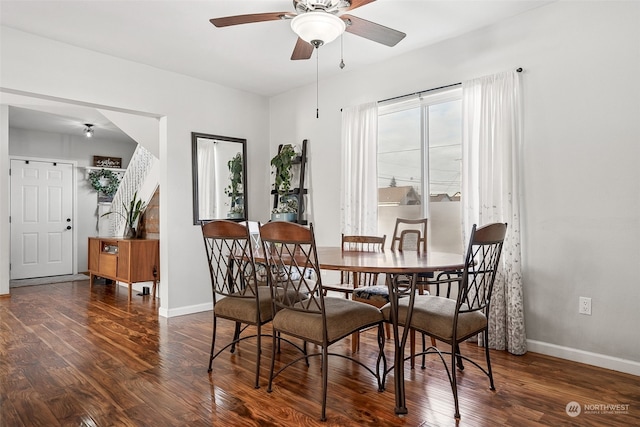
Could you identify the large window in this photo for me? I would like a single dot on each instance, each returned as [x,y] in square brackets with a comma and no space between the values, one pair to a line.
[419,166]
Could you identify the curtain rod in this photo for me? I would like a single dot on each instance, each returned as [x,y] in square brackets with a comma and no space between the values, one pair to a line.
[519,70]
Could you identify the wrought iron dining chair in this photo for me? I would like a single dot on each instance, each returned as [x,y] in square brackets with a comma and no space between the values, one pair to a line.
[408,235]
[352,282]
[411,235]
[455,320]
[236,294]
[292,261]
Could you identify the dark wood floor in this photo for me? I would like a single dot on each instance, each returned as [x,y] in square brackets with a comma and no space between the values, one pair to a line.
[74,357]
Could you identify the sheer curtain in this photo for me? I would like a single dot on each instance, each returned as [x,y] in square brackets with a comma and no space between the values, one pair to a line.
[359,189]
[207,202]
[492,136]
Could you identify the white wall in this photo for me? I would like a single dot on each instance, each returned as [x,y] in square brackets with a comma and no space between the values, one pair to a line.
[581,206]
[44,67]
[5,235]
[46,145]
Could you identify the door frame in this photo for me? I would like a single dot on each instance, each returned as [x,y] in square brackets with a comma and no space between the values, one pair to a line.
[74,203]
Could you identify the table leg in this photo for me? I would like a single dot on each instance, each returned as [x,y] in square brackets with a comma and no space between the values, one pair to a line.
[400,342]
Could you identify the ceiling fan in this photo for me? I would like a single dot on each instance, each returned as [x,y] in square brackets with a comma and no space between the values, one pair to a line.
[318,22]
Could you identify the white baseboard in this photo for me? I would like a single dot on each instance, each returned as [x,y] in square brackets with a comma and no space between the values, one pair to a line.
[162,311]
[601,360]
[181,311]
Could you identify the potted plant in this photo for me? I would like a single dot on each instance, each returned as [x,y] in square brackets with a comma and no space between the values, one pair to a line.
[282,162]
[234,189]
[132,214]
[287,209]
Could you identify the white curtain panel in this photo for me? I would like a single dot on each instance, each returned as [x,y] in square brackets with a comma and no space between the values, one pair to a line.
[206,178]
[492,138]
[359,189]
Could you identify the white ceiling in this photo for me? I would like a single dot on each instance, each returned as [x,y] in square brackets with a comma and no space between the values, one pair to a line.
[177,35]
[66,122]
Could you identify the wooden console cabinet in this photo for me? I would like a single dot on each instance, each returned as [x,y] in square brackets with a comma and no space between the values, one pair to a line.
[125,260]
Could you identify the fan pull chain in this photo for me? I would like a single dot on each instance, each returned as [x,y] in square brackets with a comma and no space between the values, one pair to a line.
[341,51]
[317,83]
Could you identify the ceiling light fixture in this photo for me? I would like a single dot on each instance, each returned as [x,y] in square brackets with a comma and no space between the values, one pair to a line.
[88,130]
[318,27]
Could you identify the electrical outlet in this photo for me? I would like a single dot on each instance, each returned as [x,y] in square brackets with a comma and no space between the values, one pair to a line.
[585,306]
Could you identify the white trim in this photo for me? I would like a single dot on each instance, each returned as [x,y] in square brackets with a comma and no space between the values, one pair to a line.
[601,360]
[97,168]
[181,311]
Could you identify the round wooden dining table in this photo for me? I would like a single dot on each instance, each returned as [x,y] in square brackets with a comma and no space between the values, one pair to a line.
[393,264]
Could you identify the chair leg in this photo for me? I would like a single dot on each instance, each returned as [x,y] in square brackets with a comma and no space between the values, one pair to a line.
[424,348]
[454,385]
[355,342]
[458,358]
[486,352]
[325,380]
[276,341]
[258,354]
[381,357]
[236,336]
[412,346]
[304,350]
[213,344]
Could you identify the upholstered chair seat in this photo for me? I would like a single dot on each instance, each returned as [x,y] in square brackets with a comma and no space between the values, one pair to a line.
[343,317]
[437,312]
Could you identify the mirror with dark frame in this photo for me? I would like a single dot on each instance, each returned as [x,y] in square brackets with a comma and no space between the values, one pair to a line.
[219,177]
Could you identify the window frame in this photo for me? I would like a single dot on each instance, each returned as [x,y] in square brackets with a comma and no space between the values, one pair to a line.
[423,100]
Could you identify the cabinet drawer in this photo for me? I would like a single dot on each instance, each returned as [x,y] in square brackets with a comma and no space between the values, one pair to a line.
[108,264]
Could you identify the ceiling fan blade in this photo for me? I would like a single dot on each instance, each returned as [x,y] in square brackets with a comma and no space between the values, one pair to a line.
[302,50]
[248,19]
[372,31]
[358,3]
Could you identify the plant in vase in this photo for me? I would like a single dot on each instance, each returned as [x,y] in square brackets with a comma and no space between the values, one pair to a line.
[132,214]
[282,162]
[287,209]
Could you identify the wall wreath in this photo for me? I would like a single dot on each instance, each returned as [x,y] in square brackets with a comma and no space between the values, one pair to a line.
[104,181]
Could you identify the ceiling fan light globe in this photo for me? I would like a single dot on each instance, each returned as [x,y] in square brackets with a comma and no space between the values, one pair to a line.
[318,28]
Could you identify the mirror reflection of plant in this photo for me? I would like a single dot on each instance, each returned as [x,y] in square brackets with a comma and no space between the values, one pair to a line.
[237,209]
[235,175]
[282,162]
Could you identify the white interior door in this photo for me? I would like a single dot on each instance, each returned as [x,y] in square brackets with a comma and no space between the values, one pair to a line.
[41,219]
